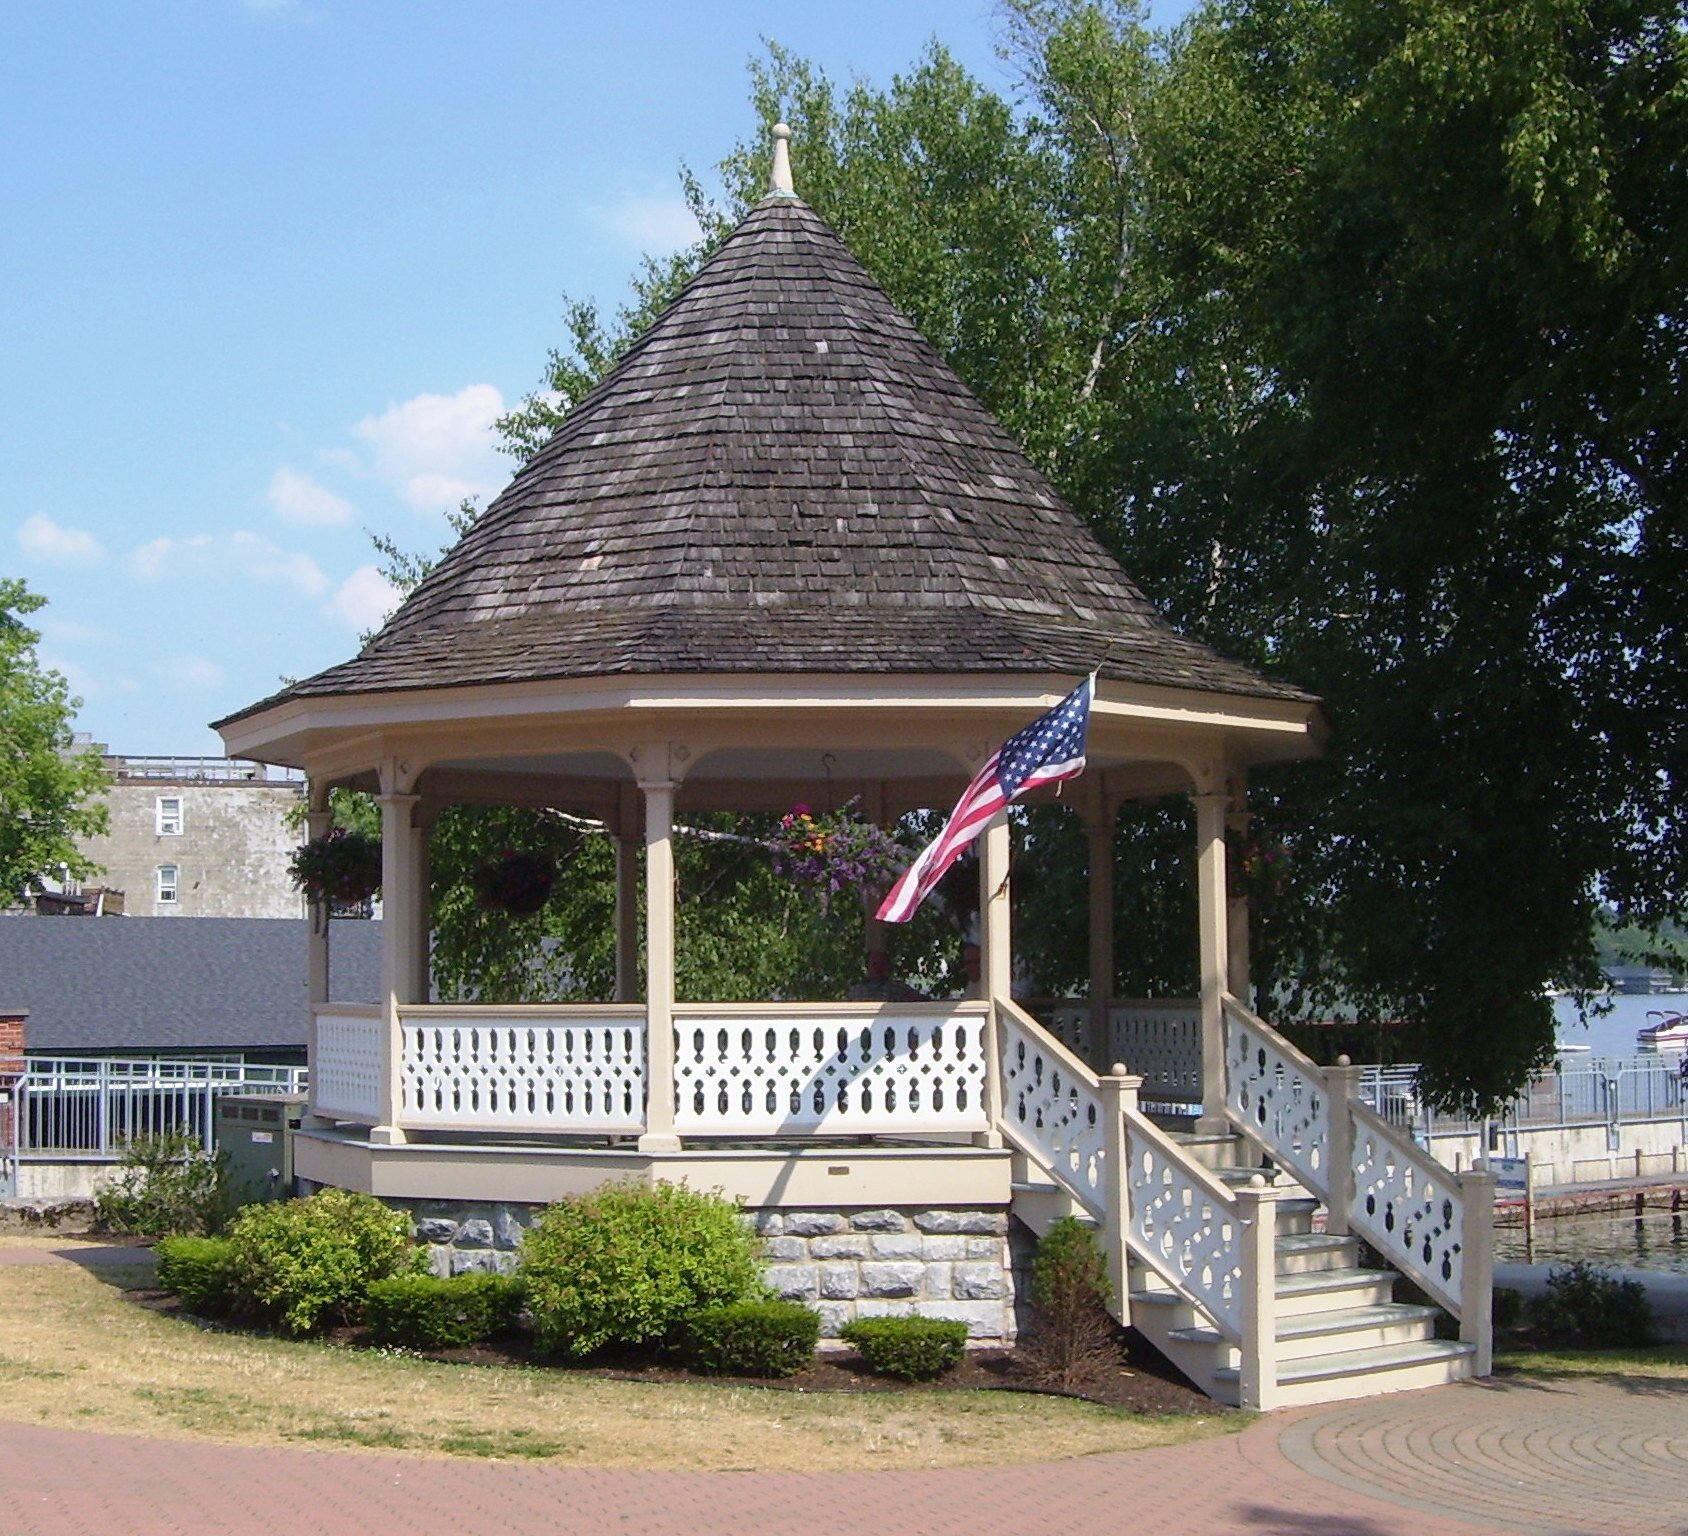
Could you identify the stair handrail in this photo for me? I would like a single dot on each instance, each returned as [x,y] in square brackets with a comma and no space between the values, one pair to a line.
[1419,1215]
[1132,1177]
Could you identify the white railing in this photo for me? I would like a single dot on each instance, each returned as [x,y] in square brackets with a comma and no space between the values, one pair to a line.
[1278,1097]
[1429,1222]
[834,1068]
[1161,1042]
[1408,1207]
[1157,1039]
[1052,1108]
[1186,1224]
[1174,1216]
[521,1069]
[346,1066]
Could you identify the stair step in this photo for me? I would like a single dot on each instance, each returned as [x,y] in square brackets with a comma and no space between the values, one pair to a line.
[1319,1325]
[1361,1362]
[1313,1290]
[1308,1252]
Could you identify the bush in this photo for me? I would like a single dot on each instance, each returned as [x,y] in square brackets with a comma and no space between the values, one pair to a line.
[624,1264]
[1586,1306]
[426,1312]
[168,1185]
[308,1263]
[200,1272]
[908,1348]
[1073,1335]
[1506,1309]
[750,1338]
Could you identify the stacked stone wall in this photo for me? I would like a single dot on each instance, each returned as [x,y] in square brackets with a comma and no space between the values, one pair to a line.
[846,1263]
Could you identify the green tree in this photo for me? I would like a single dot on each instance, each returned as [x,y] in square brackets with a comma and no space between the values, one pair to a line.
[50,795]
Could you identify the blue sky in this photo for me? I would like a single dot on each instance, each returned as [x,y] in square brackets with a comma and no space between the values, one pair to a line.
[268,269]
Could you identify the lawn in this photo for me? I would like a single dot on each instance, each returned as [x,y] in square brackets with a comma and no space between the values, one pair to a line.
[74,1353]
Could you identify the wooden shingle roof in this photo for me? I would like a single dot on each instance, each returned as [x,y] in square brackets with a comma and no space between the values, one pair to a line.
[781,476]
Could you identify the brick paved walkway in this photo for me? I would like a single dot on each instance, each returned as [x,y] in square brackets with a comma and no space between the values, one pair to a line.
[1509,1458]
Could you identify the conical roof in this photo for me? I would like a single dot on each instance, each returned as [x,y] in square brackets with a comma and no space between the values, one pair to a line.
[781,476]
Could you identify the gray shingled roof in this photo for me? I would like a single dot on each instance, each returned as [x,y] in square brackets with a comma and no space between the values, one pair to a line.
[782,475]
[177,985]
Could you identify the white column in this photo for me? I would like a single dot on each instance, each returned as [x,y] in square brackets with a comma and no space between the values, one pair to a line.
[1237,820]
[997,961]
[422,904]
[626,918]
[873,809]
[1210,908]
[1099,836]
[659,967]
[399,924]
[1119,1091]
[1477,1265]
[1343,1081]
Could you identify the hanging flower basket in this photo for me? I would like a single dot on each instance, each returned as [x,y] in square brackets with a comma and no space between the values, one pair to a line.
[515,882]
[340,868]
[837,851]
[1257,867]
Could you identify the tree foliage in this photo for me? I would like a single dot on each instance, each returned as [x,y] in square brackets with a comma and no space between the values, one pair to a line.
[50,795]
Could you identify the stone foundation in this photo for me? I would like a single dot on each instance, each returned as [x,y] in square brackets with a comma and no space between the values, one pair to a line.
[847,1264]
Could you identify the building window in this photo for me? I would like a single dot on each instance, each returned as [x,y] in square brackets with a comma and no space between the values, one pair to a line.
[167,882]
[169,813]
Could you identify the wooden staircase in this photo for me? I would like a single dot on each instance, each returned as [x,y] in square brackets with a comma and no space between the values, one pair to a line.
[1186,1231]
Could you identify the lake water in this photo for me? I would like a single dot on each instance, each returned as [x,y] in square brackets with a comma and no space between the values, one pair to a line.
[1657,1240]
[1613,1033]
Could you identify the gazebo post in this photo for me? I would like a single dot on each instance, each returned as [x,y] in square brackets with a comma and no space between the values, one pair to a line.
[1237,963]
[1099,817]
[998,962]
[1211,805]
[659,956]
[400,924]
[626,897]
[873,809]
[422,820]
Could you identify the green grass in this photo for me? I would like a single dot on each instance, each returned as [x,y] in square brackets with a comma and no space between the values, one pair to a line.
[1665,1362]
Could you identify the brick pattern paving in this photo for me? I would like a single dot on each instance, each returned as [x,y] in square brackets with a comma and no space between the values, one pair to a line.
[1542,1458]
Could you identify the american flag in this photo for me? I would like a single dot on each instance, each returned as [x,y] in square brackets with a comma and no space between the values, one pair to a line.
[1048,750]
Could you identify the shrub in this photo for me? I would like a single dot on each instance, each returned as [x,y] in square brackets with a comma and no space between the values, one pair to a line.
[1586,1306]
[908,1348]
[625,1263]
[750,1338]
[307,1263]
[168,1185]
[199,1271]
[1506,1309]
[1072,1335]
[426,1312]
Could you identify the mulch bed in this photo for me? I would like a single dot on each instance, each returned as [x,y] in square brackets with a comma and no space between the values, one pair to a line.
[1141,1381]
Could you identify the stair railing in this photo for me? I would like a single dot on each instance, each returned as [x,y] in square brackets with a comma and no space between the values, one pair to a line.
[1213,1246]
[1434,1225]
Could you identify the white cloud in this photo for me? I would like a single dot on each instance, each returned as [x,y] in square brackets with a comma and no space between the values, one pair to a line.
[436,449]
[189,671]
[46,540]
[299,499]
[69,631]
[204,555]
[653,225]
[364,599]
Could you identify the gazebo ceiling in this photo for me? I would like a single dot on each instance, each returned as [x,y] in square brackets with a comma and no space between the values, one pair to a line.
[781,480]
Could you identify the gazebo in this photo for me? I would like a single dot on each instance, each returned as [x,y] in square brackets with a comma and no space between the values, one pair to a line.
[782,553]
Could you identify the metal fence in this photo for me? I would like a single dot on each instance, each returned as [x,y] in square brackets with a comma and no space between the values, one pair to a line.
[1598,1091]
[91,1106]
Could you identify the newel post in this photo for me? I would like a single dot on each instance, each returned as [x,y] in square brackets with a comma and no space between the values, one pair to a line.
[1477,1265]
[1344,1083]
[1118,1090]
[1258,1209]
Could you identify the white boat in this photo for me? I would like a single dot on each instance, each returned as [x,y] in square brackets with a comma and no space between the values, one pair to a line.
[1665,1035]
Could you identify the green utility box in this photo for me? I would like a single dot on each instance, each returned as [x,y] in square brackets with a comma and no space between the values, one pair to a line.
[255,1135]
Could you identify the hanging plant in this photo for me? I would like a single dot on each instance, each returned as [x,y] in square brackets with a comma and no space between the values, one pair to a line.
[515,882]
[839,850]
[1257,867]
[340,868]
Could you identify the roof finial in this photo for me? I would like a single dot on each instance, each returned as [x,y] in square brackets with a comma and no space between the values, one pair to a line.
[782,186]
